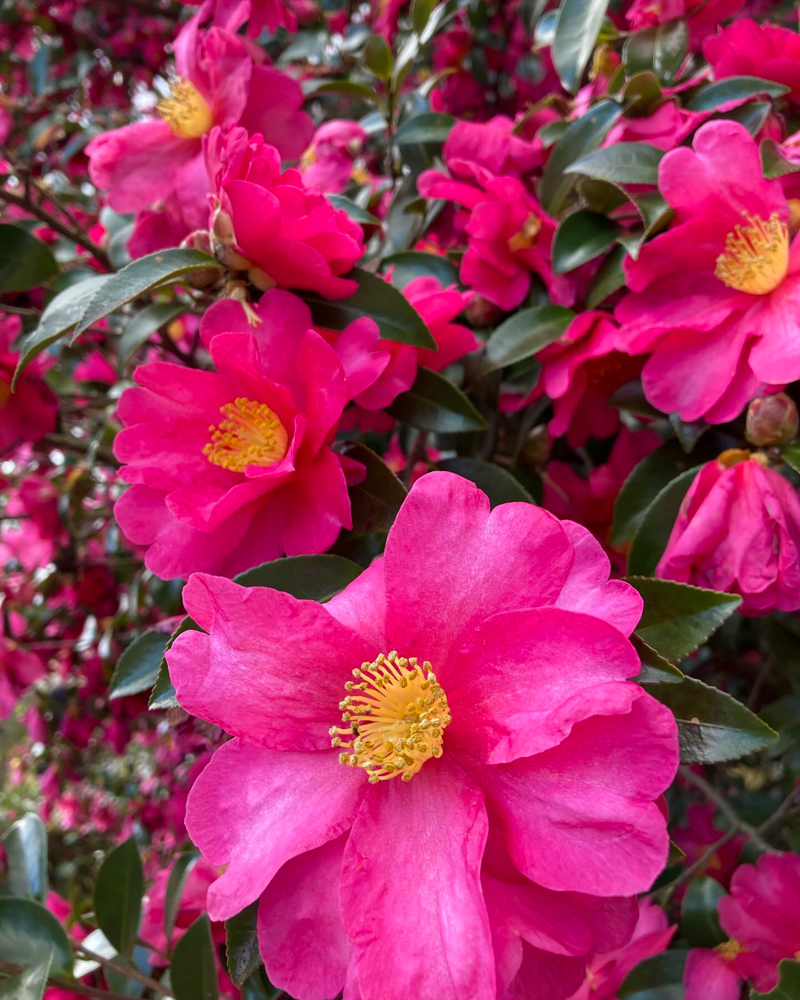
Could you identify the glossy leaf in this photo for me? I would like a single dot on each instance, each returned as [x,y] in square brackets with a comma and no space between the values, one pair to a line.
[410,264]
[352,210]
[699,920]
[577,27]
[433,403]
[241,944]
[431,126]
[376,299]
[788,987]
[25,846]
[376,501]
[581,237]
[662,970]
[118,896]
[348,87]
[378,57]
[25,262]
[656,669]
[773,161]
[144,324]
[678,618]
[28,984]
[791,455]
[656,525]
[163,694]
[733,88]
[193,972]
[181,869]
[308,578]
[712,725]
[137,668]
[420,13]
[498,484]
[671,43]
[623,163]
[524,334]
[96,942]
[30,934]
[142,276]
[609,278]
[639,51]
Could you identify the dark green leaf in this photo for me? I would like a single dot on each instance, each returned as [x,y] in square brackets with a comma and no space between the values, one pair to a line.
[788,987]
[410,264]
[241,944]
[609,278]
[28,985]
[672,39]
[353,211]
[752,115]
[656,525]
[378,57]
[142,276]
[163,694]
[773,162]
[25,262]
[118,895]
[655,668]
[175,886]
[623,163]
[688,434]
[791,455]
[642,94]
[420,13]
[582,236]
[144,324]
[675,853]
[308,578]
[376,501]
[678,618]
[712,726]
[524,334]
[193,972]
[498,484]
[137,668]
[699,921]
[344,87]
[734,88]
[639,51]
[433,403]
[431,126]
[30,934]
[577,27]
[631,397]
[25,845]
[377,299]
[665,969]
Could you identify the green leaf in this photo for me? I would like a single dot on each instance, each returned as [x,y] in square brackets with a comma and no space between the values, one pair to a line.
[582,236]
[791,455]
[523,335]
[378,57]
[639,51]
[144,324]
[25,845]
[773,162]
[410,264]
[672,39]
[376,299]
[308,578]
[28,984]
[349,87]
[678,618]
[577,26]
[623,163]
[580,138]
[143,276]
[420,13]
[656,525]
[353,211]
[788,987]
[163,694]
[498,484]
[62,313]
[137,668]
[25,262]
[712,726]
[118,895]
[699,921]
[175,886]
[734,88]
[430,126]
[752,115]
[193,972]
[241,944]
[30,934]
[665,969]
[608,279]
[376,501]
[433,403]
[642,94]
[655,668]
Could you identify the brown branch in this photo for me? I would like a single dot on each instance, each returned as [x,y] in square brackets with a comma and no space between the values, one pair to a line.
[130,971]
[69,443]
[74,986]
[727,810]
[26,203]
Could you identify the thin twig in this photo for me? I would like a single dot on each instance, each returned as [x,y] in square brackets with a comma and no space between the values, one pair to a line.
[29,205]
[724,807]
[73,986]
[66,442]
[130,971]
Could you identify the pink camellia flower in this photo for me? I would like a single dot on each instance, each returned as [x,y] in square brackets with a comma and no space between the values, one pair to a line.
[580,371]
[715,299]
[746,48]
[698,834]
[491,145]
[738,530]
[607,972]
[31,410]
[19,668]
[328,162]
[233,468]
[471,684]
[701,18]
[218,83]
[666,127]
[763,920]
[33,541]
[292,235]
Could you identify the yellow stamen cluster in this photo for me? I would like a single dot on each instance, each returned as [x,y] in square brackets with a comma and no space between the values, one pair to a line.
[250,434]
[526,237]
[394,716]
[729,949]
[186,111]
[756,255]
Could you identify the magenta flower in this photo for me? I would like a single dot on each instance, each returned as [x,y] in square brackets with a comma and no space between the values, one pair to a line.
[31,410]
[715,300]
[233,468]
[492,146]
[292,235]
[471,684]
[19,668]
[328,163]
[738,530]
[701,19]
[746,48]
[763,920]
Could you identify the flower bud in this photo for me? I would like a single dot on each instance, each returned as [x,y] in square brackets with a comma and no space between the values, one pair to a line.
[481,312]
[200,239]
[772,420]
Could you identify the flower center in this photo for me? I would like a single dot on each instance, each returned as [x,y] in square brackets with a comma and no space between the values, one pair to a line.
[756,255]
[526,237]
[395,714]
[729,949]
[186,111]
[251,434]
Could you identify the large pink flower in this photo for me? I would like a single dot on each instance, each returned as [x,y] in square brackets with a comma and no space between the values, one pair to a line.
[746,48]
[762,917]
[738,530]
[31,410]
[701,18]
[716,299]
[327,164]
[483,660]
[292,234]
[233,468]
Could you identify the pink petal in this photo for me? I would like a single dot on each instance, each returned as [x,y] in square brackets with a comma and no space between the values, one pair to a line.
[707,974]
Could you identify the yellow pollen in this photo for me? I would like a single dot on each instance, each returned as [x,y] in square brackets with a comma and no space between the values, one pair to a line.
[729,949]
[756,255]
[250,434]
[186,111]
[526,237]
[394,716]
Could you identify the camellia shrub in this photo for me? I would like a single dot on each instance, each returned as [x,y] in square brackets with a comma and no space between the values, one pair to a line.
[399,524]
